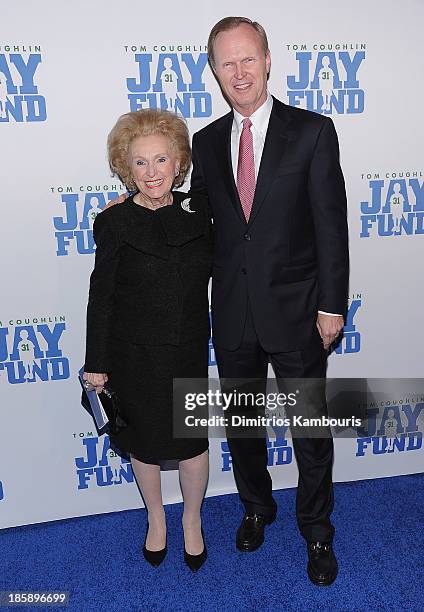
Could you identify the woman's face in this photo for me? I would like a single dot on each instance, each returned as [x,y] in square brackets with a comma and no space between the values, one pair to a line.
[153,164]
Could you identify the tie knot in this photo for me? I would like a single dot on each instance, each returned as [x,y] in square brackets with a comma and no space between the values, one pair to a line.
[246,123]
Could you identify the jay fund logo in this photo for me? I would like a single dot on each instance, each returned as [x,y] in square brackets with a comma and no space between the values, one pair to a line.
[31,350]
[170,77]
[394,205]
[395,427]
[326,78]
[100,466]
[351,339]
[20,98]
[78,207]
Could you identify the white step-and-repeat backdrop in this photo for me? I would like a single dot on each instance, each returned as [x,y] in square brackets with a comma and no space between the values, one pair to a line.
[67,71]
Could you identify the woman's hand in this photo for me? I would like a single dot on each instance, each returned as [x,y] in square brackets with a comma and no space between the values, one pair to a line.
[94,381]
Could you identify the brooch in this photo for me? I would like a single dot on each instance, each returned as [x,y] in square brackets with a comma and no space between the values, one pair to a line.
[185,205]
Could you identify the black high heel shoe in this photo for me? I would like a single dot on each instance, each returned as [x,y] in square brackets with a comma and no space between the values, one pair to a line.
[195,562]
[154,557]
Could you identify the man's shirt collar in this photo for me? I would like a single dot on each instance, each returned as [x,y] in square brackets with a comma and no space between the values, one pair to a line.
[259,119]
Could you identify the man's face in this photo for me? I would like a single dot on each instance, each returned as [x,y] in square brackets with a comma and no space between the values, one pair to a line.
[241,67]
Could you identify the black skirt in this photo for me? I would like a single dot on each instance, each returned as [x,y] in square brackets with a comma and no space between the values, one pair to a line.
[143,377]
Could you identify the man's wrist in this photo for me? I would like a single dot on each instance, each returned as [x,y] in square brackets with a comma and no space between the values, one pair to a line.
[331,314]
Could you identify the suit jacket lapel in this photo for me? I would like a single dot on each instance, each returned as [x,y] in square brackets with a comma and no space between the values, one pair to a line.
[277,138]
[275,146]
[226,163]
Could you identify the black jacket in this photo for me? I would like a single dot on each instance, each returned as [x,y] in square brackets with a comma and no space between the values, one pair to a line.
[291,259]
[150,280]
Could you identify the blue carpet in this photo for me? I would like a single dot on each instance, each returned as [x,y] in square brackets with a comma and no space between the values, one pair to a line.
[379,544]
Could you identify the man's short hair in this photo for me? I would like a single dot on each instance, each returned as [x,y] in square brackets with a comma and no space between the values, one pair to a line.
[230,23]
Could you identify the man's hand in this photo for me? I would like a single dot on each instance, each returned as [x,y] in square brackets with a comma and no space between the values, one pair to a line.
[119,200]
[329,328]
[94,381]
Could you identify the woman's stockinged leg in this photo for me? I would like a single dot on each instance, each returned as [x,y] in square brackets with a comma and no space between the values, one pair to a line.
[149,483]
[193,479]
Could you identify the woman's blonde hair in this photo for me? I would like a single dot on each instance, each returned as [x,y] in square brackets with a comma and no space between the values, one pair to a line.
[146,122]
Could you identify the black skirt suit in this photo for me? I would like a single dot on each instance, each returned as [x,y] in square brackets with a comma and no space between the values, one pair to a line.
[148,316]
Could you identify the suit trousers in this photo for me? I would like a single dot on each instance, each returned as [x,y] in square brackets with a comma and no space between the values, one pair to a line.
[314,456]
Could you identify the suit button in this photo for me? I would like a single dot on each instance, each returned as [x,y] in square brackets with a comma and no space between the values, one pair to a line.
[243,271]
[247,237]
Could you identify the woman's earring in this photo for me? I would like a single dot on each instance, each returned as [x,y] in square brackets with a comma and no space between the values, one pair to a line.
[177,171]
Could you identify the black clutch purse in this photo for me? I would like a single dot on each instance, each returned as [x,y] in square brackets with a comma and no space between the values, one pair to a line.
[103,408]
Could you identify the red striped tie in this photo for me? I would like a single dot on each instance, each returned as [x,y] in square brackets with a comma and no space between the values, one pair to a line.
[246,181]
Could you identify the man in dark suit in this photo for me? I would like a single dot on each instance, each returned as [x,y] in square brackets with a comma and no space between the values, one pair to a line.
[280,273]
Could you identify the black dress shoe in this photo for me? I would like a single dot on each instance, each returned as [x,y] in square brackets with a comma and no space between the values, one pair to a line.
[322,565]
[250,534]
[195,562]
[154,557]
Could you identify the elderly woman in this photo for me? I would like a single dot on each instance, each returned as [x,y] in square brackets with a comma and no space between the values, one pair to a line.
[147,316]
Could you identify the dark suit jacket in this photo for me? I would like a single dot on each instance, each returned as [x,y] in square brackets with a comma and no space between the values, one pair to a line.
[150,280]
[291,259]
